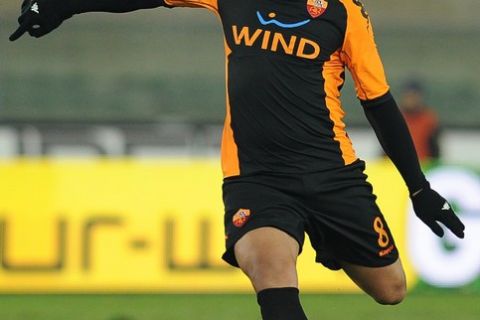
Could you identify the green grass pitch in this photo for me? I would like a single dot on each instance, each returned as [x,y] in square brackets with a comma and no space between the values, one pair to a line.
[441,306]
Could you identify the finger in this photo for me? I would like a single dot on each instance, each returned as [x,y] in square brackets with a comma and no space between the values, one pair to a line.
[25,22]
[22,28]
[36,31]
[436,228]
[453,222]
[25,6]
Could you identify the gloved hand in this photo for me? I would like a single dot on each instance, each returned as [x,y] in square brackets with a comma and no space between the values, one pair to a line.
[432,208]
[39,17]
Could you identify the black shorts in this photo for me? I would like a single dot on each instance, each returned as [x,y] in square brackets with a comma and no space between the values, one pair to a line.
[336,208]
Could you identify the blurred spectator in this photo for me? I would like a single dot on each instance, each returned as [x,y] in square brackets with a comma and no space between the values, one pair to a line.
[422,121]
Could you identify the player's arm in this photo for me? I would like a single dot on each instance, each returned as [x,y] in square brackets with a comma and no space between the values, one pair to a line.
[361,56]
[392,132]
[39,17]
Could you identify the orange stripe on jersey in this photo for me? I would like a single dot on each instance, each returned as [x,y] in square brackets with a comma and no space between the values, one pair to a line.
[361,55]
[332,74]
[230,162]
[208,4]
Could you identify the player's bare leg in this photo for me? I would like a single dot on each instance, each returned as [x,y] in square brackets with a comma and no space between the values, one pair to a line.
[268,257]
[386,285]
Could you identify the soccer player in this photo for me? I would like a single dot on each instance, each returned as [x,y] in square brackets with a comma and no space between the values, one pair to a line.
[288,162]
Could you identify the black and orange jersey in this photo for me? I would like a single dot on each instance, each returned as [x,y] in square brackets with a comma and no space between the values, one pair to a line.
[286,64]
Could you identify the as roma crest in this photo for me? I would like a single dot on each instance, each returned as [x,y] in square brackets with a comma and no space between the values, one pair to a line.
[316,7]
[241,217]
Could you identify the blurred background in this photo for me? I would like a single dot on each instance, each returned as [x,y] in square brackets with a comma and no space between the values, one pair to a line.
[109,141]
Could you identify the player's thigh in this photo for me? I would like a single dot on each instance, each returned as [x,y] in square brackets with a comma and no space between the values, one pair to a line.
[387,285]
[264,228]
[268,256]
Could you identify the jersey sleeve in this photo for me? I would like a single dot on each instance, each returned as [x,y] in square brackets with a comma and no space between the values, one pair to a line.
[208,4]
[360,54]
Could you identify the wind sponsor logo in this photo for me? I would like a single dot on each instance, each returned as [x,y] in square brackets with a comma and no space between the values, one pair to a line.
[276,42]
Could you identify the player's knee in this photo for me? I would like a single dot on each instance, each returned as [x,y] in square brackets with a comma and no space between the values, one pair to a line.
[392,294]
[270,271]
[265,271]
[268,257]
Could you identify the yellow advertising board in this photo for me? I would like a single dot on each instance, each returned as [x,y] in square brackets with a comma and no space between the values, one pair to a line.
[124,225]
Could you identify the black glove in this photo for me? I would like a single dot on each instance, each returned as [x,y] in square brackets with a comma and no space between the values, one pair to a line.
[40,17]
[432,208]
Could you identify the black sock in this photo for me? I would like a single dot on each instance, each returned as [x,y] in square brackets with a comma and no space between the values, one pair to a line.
[280,304]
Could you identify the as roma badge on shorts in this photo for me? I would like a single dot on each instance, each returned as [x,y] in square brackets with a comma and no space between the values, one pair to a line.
[316,7]
[241,217]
